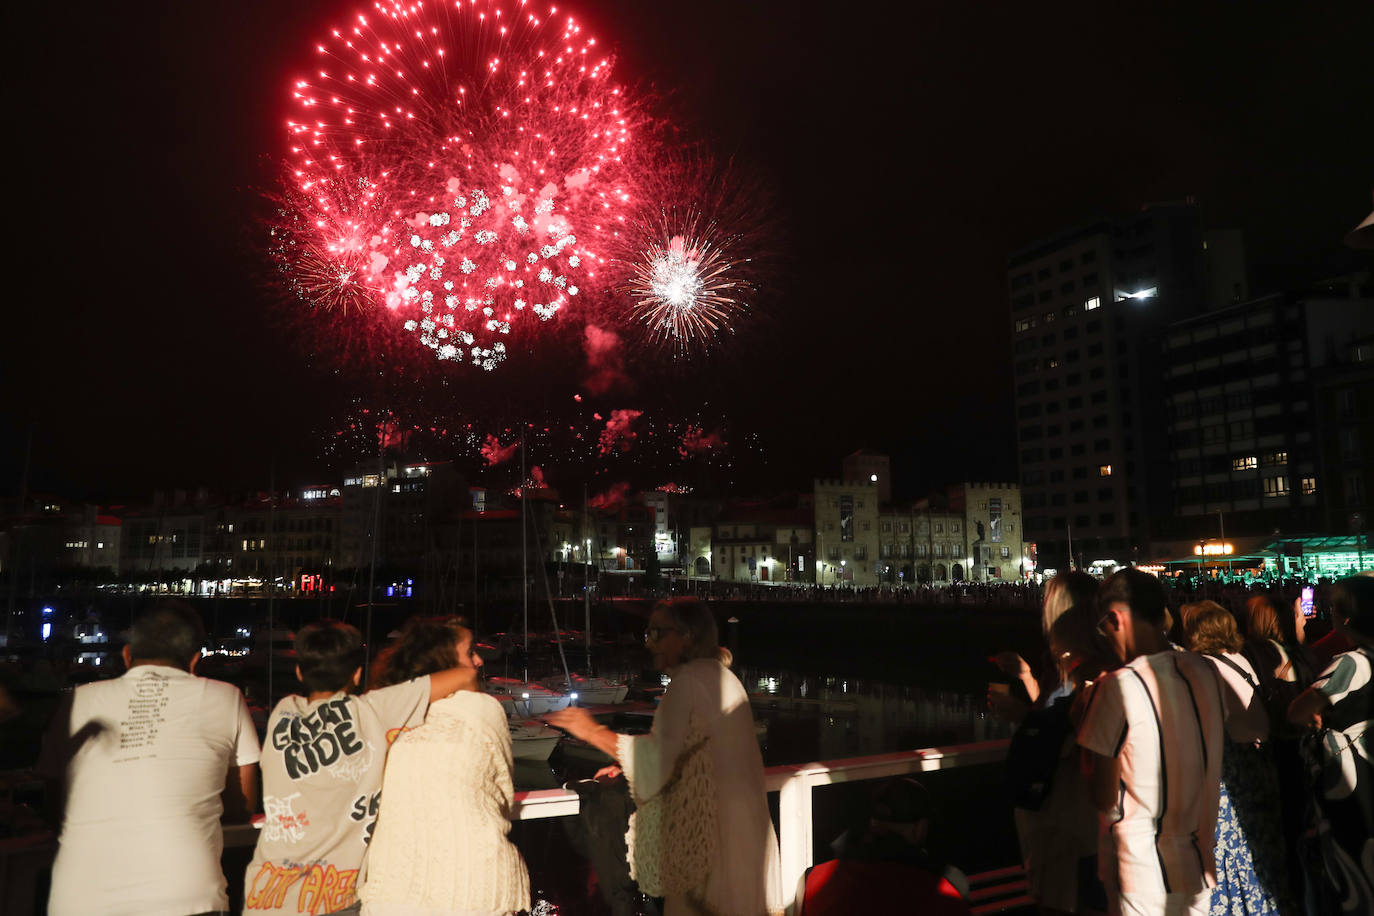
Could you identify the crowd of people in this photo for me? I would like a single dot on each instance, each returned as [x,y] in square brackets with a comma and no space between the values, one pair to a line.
[1194,758]
[1202,758]
[394,801]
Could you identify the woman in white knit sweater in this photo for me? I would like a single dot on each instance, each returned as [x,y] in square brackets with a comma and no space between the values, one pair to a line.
[441,847]
[725,842]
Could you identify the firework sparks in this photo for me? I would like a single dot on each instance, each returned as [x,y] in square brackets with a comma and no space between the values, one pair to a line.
[684,284]
[463,165]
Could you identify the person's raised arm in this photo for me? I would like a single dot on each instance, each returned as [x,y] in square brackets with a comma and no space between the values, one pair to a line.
[1013,665]
[446,683]
[579,723]
[647,760]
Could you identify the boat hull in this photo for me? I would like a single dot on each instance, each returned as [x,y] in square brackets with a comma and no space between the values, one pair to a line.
[533,740]
[520,699]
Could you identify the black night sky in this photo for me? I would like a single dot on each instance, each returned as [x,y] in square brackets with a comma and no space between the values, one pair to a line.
[908,152]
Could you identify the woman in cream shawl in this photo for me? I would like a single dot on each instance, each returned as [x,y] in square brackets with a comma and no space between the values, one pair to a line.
[705,711]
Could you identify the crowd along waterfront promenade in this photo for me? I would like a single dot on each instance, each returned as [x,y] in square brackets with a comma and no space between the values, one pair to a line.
[830,677]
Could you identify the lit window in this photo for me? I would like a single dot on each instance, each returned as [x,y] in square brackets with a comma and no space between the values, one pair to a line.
[1248,463]
[1093,303]
[1104,470]
[1276,486]
[1309,486]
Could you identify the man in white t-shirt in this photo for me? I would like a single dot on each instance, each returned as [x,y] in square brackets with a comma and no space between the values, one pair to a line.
[1152,740]
[149,760]
[322,773]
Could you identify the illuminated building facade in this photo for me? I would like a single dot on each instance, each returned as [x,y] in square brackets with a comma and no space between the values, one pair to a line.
[1263,404]
[768,543]
[1088,307]
[997,551]
[847,532]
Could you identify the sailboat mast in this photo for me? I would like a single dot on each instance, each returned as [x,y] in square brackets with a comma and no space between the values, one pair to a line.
[586,595]
[524,559]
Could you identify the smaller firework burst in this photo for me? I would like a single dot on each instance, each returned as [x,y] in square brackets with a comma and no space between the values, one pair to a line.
[686,288]
[321,243]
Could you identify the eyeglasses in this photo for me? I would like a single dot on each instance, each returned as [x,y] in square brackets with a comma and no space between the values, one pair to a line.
[654,634]
[1102,626]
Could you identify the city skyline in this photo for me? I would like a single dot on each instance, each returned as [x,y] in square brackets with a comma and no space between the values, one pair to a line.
[907,156]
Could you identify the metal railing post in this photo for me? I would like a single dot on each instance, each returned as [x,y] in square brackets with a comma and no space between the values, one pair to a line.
[796,841]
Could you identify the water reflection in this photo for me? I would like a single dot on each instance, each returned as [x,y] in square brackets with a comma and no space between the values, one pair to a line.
[806,717]
[812,717]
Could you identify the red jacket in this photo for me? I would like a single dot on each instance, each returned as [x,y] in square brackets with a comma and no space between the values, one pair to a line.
[847,886]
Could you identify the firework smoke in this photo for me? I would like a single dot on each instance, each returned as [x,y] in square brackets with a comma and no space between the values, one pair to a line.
[617,434]
[605,359]
[695,441]
[494,453]
[614,498]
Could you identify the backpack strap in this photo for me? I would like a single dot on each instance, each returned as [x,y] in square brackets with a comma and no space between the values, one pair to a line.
[1236,668]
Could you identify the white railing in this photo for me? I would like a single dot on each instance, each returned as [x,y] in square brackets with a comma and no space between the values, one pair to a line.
[794,783]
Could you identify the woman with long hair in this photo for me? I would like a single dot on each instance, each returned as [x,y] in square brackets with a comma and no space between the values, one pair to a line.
[701,836]
[1252,877]
[441,845]
[1056,822]
[1066,590]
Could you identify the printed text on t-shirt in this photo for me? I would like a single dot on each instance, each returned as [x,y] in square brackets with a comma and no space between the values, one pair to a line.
[316,740]
[323,890]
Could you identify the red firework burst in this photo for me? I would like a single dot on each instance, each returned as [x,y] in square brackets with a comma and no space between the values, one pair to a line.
[466,165]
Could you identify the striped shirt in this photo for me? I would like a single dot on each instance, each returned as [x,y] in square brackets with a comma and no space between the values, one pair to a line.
[1162,717]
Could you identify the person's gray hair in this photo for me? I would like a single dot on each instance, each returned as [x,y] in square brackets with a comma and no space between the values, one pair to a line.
[696,622]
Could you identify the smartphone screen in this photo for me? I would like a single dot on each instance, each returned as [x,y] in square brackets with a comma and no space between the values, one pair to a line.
[1307,608]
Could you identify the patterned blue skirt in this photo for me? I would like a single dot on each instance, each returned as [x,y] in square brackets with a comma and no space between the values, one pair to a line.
[1251,874]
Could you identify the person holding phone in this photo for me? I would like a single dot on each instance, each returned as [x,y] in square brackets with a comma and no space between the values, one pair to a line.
[1339,706]
[1274,646]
